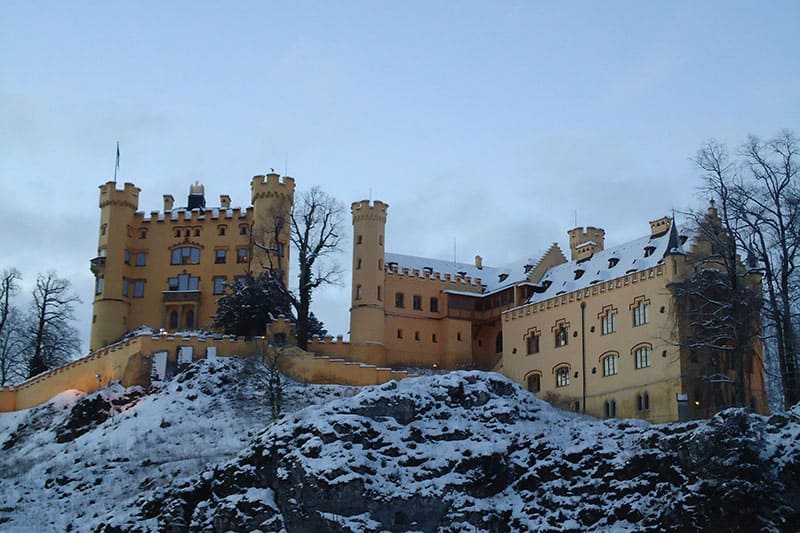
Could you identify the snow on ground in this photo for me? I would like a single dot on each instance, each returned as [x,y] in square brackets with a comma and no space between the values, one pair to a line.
[205,415]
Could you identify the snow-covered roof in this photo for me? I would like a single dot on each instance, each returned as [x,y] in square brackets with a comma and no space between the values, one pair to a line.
[633,256]
[492,278]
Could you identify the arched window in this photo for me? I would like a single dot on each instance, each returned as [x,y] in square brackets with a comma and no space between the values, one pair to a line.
[185,255]
[189,319]
[534,382]
[610,363]
[562,336]
[173,320]
[562,376]
[643,402]
[498,343]
[643,356]
[359,292]
[611,408]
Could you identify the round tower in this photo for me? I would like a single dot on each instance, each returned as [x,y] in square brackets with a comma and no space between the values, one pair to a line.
[110,307]
[272,198]
[367,309]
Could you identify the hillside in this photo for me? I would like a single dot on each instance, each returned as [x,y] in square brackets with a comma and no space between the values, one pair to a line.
[454,452]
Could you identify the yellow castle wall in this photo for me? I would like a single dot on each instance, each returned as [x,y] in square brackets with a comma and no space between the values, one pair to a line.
[661,380]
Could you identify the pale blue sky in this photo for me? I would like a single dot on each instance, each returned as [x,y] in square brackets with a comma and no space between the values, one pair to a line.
[493,123]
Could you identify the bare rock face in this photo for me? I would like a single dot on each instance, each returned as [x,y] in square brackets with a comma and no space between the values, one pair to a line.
[472,451]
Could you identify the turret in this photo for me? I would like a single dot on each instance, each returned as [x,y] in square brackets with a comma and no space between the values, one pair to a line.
[583,243]
[110,308]
[272,199]
[368,296]
[197,197]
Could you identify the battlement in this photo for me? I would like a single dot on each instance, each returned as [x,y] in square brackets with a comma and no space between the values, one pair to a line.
[428,274]
[660,226]
[272,186]
[583,243]
[366,210]
[128,196]
[193,215]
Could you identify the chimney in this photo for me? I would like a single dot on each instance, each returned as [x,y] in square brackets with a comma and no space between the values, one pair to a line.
[224,201]
[660,227]
[583,243]
[479,262]
[169,201]
[197,199]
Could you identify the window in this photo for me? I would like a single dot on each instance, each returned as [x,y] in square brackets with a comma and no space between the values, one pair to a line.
[380,240]
[379,293]
[185,255]
[416,335]
[197,232]
[641,313]
[358,264]
[241,255]
[498,343]
[359,292]
[141,259]
[243,230]
[143,234]
[279,249]
[417,302]
[398,300]
[173,320]
[610,364]
[458,336]
[643,402]
[98,285]
[643,357]
[125,286]
[562,336]
[533,344]
[177,234]
[399,333]
[534,383]
[138,288]
[103,228]
[611,408]
[434,305]
[220,256]
[433,338]
[127,257]
[189,319]
[609,322]
[359,239]
[562,376]
[184,282]
[219,285]
[221,231]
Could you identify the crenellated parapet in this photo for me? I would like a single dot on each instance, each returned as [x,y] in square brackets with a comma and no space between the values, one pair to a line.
[272,186]
[194,215]
[366,210]
[467,282]
[128,196]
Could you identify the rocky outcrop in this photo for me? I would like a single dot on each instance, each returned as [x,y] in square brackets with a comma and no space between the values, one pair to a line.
[472,451]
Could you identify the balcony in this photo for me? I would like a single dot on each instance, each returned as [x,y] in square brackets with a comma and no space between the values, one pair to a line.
[97,265]
[180,296]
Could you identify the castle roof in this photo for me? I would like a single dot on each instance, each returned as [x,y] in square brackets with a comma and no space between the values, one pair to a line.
[492,278]
[630,257]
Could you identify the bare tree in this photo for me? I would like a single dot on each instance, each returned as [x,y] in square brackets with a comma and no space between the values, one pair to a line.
[51,340]
[761,205]
[11,360]
[315,225]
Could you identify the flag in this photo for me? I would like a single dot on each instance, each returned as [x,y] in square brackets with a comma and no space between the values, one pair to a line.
[116,167]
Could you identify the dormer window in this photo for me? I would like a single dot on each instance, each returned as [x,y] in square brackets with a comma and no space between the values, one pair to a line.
[612,262]
[578,273]
[648,250]
[503,277]
[528,268]
[428,271]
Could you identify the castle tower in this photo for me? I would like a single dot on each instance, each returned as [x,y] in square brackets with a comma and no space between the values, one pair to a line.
[583,243]
[367,310]
[110,307]
[272,199]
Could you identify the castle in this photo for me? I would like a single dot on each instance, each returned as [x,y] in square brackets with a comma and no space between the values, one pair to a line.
[167,269]
[597,333]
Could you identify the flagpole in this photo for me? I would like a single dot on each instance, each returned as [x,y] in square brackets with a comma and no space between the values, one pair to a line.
[116,166]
